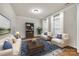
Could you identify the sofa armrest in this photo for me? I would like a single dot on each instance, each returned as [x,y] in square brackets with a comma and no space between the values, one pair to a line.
[7,52]
[44,37]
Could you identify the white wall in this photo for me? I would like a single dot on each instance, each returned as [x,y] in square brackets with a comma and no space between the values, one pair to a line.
[20,24]
[8,11]
[70,25]
[78,28]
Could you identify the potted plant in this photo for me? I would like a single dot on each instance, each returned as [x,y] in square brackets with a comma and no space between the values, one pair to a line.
[39,30]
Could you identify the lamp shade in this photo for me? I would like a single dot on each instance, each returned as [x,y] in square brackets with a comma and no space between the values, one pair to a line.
[17,33]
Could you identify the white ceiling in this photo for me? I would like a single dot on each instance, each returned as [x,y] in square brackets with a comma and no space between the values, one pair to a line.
[24,9]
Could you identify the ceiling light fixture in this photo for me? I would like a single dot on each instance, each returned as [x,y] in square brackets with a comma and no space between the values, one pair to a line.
[36,11]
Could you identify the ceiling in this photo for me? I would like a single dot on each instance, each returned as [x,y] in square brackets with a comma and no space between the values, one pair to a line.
[24,9]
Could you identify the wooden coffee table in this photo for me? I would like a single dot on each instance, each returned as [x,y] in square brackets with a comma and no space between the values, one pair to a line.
[34,47]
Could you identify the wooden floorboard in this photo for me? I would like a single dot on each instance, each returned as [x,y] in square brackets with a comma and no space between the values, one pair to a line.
[69,51]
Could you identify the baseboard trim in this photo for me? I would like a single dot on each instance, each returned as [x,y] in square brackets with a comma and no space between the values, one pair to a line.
[70,47]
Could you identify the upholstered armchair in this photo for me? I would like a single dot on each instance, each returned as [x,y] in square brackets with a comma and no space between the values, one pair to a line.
[61,42]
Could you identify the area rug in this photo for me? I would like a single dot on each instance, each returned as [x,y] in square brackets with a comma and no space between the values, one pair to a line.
[49,49]
[54,53]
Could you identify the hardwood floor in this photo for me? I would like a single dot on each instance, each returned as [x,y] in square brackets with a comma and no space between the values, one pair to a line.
[69,51]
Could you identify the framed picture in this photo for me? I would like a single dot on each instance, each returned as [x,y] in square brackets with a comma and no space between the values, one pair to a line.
[5,25]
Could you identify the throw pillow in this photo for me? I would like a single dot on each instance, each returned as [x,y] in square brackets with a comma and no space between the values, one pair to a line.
[17,36]
[7,45]
[45,33]
[14,40]
[59,36]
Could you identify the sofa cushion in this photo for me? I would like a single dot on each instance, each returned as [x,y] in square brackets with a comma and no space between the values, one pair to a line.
[59,36]
[11,39]
[57,40]
[7,52]
[7,45]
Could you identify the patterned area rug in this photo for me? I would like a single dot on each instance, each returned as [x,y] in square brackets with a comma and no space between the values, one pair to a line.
[54,53]
[50,49]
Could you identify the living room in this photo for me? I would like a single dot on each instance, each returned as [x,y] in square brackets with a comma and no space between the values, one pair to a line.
[42,17]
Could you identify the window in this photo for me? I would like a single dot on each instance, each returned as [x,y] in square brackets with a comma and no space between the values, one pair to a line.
[46,25]
[58,23]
